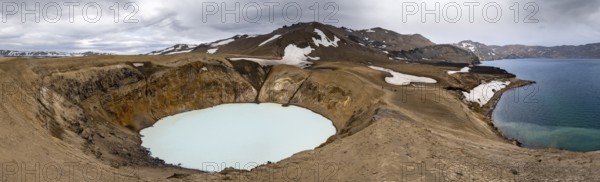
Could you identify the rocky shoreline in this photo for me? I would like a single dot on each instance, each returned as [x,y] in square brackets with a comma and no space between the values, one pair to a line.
[489,108]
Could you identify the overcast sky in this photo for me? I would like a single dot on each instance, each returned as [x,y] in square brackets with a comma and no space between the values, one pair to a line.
[157,24]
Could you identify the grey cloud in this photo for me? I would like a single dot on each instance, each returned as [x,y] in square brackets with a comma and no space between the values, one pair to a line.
[574,8]
[163,23]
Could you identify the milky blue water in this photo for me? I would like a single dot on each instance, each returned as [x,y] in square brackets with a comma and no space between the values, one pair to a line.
[241,136]
[562,110]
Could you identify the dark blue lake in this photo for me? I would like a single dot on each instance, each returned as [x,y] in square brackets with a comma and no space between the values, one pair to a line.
[561,110]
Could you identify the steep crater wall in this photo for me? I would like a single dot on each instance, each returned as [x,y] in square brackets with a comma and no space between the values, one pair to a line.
[102,108]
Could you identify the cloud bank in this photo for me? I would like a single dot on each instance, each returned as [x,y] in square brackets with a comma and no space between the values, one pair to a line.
[134,27]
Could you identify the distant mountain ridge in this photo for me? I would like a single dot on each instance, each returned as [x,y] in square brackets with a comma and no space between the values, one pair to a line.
[176,49]
[493,52]
[45,54]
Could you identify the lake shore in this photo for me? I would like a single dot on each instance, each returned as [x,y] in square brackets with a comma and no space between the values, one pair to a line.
[488,110]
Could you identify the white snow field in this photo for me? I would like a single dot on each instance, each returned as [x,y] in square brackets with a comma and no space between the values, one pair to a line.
[269,40]
[484,92]
[293,55]
[223,42]
[212,51]
[463,70]
[402,79]
[324,41]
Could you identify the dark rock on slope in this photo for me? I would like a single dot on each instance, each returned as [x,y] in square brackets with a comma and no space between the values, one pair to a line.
[438,54]
[388,40]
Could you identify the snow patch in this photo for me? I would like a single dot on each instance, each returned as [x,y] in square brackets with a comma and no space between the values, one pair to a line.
[323,40]
[402,79]
[483,93]
[463,70]
[138,64]
[203,69]
[179,48]
[269,40]
[179,52]
[212,51]
[220,43]
[370,30]
[469,46]
[293,55]
[162,51]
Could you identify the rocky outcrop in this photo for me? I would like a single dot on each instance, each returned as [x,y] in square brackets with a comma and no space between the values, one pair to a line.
[282,84]
[252,72]
[79,85]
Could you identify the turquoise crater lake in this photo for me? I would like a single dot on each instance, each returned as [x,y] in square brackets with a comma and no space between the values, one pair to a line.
[562,110]
[241,136]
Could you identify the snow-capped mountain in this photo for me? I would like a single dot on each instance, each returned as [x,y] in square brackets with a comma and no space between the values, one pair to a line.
[482,51]
[210,48]
[42,54]
[330,43]
[492,52]
[388,40]
[304,43]
[442,53]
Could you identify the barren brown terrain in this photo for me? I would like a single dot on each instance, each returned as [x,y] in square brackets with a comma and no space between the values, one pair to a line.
[76,119]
